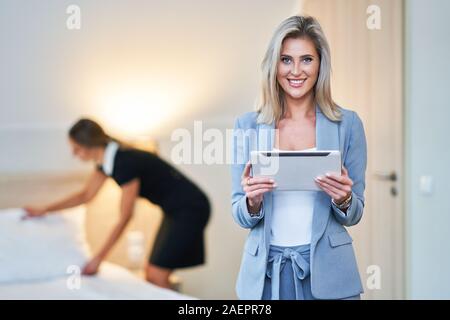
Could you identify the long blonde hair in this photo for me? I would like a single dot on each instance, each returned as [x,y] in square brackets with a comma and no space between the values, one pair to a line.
[271,105]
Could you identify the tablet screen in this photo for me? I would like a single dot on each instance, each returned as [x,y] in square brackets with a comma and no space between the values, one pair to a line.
[293,170]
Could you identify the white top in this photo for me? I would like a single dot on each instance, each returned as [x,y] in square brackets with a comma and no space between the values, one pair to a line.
[292,216]
[109,156]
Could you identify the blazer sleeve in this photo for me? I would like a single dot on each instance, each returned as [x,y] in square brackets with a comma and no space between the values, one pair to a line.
[240,153]
[355,163]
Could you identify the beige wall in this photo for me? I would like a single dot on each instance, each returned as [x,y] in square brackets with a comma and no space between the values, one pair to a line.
[51,76]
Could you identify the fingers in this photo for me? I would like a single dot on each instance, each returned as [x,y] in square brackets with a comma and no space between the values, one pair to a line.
[337,192]
[31,215]
[246,172]
[338,185]
[344,171]
[254,180]
[91,268]
[87,270]
[343,179]
[258,192]
[254,187]
[328,191]
[31,210]
[28,213]
[260,180]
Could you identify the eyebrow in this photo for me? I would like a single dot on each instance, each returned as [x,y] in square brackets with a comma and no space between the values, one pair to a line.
[302,56]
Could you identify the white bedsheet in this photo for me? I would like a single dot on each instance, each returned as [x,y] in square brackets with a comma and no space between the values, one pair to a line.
[112,282]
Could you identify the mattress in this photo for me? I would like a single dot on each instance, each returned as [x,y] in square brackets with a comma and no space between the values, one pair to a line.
[113,282]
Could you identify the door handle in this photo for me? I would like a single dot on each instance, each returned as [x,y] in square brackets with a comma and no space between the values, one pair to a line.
[386,176]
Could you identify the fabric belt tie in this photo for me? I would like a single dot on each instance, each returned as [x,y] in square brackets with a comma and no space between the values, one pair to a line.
[300,267]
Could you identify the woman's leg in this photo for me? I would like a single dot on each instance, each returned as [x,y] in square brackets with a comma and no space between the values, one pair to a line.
[157,275]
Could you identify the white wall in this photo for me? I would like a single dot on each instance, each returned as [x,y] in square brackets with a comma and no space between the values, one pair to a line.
[206,53]
[428,148]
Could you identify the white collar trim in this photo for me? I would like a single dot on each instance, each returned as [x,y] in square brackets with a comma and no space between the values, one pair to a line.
[108,158]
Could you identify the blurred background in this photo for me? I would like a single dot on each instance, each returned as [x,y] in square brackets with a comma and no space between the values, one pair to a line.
[146,68]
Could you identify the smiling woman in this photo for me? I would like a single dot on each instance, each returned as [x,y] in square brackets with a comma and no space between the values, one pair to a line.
[298,247]
[298,68]
[292,51]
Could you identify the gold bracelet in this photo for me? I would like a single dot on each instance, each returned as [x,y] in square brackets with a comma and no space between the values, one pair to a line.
[345,204]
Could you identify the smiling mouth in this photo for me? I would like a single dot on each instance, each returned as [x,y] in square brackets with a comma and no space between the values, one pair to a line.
[296,82]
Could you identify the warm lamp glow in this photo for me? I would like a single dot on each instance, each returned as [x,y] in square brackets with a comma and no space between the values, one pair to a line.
[136,111]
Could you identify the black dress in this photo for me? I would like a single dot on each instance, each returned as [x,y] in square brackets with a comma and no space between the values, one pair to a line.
[180,239]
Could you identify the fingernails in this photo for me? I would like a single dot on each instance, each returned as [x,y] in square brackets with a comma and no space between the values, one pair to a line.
[319,178]
[272,181]
[328,174]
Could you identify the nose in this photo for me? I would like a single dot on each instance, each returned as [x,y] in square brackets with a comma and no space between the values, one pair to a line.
[296,69]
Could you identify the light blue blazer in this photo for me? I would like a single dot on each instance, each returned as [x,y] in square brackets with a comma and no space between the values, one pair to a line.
[334,271]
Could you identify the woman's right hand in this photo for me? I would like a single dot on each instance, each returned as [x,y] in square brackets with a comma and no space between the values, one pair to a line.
[255,188]
[32,212]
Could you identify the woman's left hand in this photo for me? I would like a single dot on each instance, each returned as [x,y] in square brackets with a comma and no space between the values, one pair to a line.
[339,188]
[92,266]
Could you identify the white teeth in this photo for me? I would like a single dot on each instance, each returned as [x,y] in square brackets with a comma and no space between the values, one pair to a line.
[297,81]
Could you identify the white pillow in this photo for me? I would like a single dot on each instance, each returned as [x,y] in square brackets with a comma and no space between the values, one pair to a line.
[41,248]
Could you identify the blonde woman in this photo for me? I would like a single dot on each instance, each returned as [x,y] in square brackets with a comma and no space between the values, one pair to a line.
[298,246]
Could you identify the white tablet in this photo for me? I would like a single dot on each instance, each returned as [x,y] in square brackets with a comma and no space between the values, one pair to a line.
[295,170]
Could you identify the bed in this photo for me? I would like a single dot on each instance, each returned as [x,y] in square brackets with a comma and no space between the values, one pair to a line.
[42,258]
[112,283]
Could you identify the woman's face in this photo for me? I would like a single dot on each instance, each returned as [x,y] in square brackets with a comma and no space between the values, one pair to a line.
[81,152]
[298,67]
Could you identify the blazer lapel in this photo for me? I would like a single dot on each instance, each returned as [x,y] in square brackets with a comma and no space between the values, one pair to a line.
[327,138]
[265,142]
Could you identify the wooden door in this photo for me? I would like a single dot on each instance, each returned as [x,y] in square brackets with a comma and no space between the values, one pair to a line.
[367,77]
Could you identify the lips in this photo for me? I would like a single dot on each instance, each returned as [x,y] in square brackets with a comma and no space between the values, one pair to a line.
[296,83]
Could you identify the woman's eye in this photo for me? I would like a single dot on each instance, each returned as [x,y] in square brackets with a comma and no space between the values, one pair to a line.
[307,60]
[286,60]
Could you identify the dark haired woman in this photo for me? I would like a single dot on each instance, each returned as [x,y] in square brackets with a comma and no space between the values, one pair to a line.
[186,208]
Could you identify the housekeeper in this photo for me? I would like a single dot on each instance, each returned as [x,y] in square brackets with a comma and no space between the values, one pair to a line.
[180,240]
